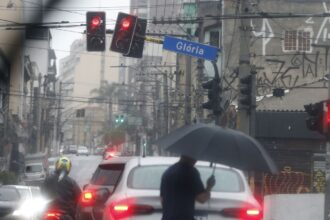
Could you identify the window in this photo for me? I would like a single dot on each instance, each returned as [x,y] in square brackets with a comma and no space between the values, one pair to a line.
[24,193]
[8,194]
[214,38]
[107,175]
[297,41]
[290,40]
[149,177]
[304,40]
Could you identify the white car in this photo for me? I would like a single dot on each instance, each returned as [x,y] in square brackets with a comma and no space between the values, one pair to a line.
[20,202]
[82,151]
[128,188]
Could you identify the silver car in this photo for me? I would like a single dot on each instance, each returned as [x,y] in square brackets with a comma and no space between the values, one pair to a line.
[82,151]
[35,173]
[128,188]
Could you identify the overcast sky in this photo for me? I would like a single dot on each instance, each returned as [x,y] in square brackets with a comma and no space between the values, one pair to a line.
[75,11]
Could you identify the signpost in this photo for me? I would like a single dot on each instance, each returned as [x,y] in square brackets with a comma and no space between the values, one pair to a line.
[190,48]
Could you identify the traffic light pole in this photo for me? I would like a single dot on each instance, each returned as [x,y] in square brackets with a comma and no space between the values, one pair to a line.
[327,158]
[216,77]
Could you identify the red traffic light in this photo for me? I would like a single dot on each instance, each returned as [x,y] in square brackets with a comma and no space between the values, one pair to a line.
[328,112]
[125,23]
[124,33]
[96,22]
[95,30]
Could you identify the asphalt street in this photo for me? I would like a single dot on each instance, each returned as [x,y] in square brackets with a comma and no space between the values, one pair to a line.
[83,167]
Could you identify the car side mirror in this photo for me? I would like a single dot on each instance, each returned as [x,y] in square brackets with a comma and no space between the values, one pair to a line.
[101,195]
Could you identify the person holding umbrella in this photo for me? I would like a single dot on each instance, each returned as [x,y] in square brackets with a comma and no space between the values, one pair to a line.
[181,186]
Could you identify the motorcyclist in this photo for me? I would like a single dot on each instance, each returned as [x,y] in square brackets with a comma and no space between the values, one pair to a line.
[62,191]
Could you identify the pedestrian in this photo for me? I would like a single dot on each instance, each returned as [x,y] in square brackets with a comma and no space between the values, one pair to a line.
[181,186]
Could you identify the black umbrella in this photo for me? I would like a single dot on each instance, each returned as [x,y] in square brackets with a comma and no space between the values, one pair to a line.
[219,145]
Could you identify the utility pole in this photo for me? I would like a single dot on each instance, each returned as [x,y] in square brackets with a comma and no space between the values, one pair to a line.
[187,111]
[59,117]
[200,69]
[247,88]
[39,114]
[166,102]
[246,117]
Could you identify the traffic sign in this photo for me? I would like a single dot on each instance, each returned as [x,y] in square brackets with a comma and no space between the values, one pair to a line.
[190,48]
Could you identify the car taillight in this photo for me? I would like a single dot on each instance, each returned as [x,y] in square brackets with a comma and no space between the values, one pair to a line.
[87,198]
[243,213]
[127,208]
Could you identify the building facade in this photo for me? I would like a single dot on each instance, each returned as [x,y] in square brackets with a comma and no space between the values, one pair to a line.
[82,75]
[290,54]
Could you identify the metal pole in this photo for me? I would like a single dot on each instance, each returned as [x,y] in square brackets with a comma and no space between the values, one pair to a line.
[188,91]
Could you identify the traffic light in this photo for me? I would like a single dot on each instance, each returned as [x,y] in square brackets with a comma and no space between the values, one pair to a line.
[316,120]
[120,119]
[124,33]
[214,99]
[95,22]
[117,119]
[245,90]
[138,39]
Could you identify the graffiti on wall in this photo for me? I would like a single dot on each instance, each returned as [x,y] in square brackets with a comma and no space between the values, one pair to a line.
[266,33]
[324,32]
[291,72]
[285,182]
[295,68]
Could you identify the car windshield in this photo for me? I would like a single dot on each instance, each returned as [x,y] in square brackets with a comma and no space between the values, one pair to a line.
[149,177]
[25,193]
[35,192]
[107,175]
[9,194]
[52,161]
[33,168]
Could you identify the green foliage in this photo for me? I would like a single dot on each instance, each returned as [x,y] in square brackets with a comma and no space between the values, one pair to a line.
[116,136]
[8,178]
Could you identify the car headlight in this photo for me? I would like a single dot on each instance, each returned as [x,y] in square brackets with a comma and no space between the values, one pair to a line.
[22,213]
[30,208]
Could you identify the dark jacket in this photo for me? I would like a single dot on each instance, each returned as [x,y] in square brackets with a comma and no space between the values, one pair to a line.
[64,194]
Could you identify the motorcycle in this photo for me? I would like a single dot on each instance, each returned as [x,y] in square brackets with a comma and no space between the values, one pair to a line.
[56,215]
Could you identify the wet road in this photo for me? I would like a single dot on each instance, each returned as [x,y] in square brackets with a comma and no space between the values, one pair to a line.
[83,167]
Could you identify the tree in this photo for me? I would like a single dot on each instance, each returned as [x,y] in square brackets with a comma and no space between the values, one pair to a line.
[116,136]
